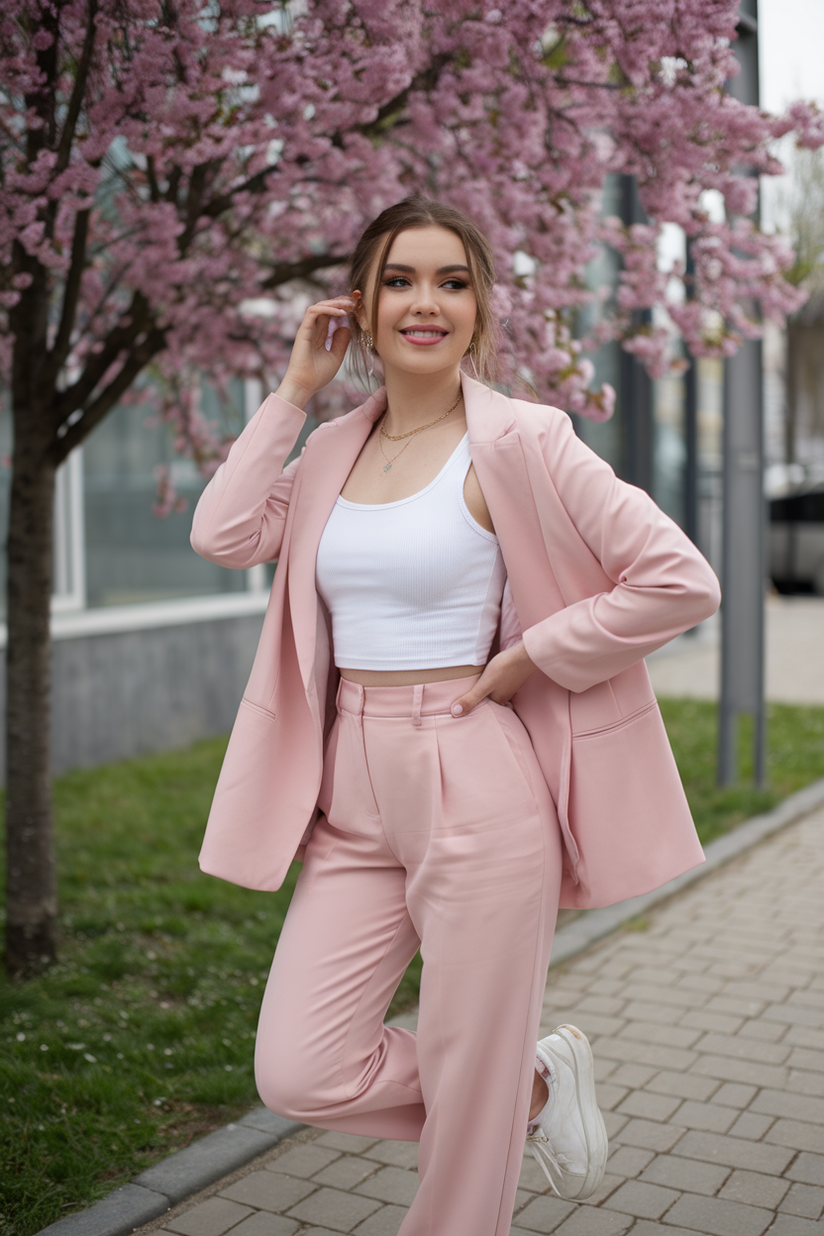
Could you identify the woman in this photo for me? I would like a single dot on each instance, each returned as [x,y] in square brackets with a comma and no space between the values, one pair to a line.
[451,679]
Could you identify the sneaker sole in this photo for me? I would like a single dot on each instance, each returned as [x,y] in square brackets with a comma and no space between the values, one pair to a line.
[592,1120]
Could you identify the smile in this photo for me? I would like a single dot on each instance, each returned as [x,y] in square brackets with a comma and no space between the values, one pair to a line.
[424,335]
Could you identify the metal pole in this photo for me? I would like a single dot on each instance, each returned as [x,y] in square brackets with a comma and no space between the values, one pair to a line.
[743,541]
[635,386]
[691,439]
[744,517]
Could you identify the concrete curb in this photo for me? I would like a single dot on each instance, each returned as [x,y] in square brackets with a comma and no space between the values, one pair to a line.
[188,1171]
[178,1176]
[206,1160]
[123,1210]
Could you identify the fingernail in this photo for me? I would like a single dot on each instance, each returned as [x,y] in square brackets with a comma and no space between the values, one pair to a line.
[457,710]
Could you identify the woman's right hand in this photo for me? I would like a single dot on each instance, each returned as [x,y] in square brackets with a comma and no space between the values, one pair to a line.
[312,365]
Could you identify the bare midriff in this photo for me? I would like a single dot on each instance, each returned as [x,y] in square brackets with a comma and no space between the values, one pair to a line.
[409,678]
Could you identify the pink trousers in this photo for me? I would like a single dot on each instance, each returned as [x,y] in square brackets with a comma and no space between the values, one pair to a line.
[440,832]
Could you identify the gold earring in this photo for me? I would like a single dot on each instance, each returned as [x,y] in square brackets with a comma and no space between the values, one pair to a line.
[369,344]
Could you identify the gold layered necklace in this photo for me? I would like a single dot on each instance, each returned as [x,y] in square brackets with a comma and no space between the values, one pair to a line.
[398,437]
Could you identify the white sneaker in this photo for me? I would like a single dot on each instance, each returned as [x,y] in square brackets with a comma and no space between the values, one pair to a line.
[568,1137]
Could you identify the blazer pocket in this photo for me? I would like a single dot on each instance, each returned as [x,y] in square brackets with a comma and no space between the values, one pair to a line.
[627,808]
[629,719]
[258,708]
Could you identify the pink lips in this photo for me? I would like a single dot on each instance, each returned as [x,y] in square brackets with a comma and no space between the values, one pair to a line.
[425,341]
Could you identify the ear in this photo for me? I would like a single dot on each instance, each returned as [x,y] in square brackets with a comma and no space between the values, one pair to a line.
[360,311]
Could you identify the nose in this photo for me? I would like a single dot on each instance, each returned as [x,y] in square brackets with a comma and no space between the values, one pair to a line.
[425,303]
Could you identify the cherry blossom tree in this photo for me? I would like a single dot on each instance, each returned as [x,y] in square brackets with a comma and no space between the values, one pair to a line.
[168,166]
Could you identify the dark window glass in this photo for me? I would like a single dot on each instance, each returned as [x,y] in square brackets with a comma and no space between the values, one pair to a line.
[131,554]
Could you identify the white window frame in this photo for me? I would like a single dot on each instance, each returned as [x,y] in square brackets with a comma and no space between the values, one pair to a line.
[71,617]
[69,569]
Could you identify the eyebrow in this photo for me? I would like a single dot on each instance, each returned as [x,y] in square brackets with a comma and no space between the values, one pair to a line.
[410,270]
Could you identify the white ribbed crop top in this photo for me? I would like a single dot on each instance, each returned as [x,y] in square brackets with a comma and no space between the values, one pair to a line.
[413,584]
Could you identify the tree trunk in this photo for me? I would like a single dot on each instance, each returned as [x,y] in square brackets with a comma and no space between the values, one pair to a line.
[31,927]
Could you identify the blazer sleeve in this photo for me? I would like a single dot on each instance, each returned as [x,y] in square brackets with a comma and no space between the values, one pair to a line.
[240,517]
[661,584]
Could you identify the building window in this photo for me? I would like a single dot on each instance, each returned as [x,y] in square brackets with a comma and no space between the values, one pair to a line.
[669,446]
[110,549]
[132,555]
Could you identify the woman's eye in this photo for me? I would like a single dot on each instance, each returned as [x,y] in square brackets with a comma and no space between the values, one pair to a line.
[400,281]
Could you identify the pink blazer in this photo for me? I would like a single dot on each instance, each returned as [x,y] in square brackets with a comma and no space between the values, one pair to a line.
[598,577]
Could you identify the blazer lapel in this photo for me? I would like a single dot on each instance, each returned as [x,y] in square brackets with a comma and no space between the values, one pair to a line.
[498,456]
[329,459]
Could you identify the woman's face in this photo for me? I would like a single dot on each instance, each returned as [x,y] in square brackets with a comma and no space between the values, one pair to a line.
[427,306]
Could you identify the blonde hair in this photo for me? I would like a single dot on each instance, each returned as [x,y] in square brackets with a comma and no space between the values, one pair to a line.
[372,251]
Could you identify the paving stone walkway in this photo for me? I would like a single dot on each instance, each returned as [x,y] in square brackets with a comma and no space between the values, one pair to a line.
[691,664]
[707,1023]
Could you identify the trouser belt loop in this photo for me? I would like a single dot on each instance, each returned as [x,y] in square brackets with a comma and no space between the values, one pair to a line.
[417,700]
[361,698]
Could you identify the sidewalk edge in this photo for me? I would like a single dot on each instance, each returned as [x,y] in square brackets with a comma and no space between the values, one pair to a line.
[178,1176]
[186,1172]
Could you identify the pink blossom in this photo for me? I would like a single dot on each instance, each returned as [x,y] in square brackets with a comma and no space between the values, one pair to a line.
[220,162]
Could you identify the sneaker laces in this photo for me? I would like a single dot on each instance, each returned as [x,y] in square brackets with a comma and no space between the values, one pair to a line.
[545,1155]
[537,1139]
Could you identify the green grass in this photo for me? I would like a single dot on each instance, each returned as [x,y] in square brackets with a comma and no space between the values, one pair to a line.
[795,757]
[141,1037]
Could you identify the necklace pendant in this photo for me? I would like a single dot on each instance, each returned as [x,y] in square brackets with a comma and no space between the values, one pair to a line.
[388,466]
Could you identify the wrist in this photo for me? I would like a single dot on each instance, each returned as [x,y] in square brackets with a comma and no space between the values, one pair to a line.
[520,656]
[520,665]
[294,393]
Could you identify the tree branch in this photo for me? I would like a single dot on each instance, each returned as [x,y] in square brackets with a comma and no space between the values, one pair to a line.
[198,185]
[151,177]
[386,117]
[76,432]
[71,295]
[121,338]
[574,81]
[41,100]
[284,272]
[174,183]
[78,90]
[255,184]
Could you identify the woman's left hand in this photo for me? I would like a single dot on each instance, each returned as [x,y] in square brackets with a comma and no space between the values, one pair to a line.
[501,678]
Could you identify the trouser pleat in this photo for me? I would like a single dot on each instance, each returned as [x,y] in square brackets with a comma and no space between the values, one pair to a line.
[438,831]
